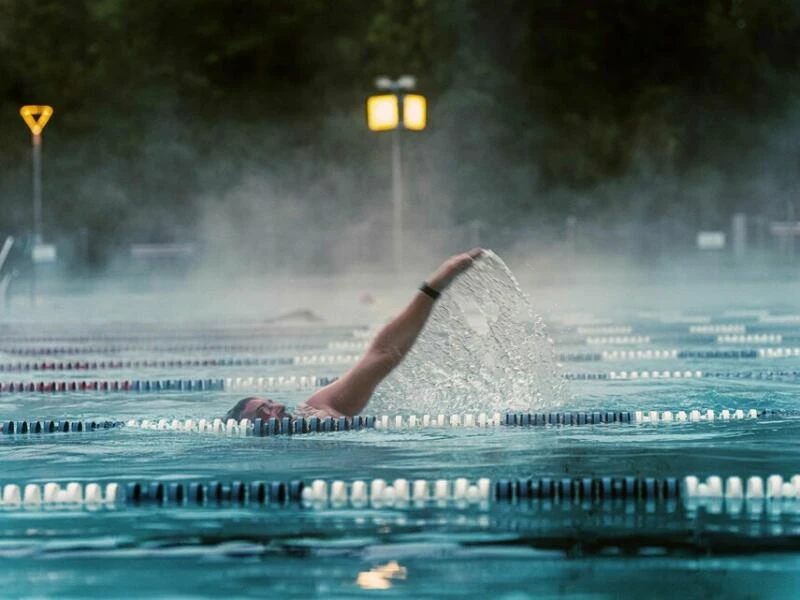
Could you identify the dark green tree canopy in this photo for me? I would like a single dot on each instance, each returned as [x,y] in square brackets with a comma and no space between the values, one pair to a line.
[537,109]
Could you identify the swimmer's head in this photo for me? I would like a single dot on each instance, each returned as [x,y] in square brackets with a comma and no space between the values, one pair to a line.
[254,407]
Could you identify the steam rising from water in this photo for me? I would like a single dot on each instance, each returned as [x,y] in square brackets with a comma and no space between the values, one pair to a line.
[483,350]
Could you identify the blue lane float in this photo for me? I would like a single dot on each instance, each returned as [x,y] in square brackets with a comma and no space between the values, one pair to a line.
[675,354]
[303,382]
[703,323]
[688,340]
[773,494]
[376,493]
[722,327]
[97,365]
[167,332]
[638,375]
[155,348]
[301,425]
[24,427]
[258,427]
[294,426]
[289,382]
[185,363]
[351,346]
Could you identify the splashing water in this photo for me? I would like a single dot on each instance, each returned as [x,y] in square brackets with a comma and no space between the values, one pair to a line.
[482,350]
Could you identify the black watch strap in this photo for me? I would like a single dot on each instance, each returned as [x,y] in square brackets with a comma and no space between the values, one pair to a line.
[429,291]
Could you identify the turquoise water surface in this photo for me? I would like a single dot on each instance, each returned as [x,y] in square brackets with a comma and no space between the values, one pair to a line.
[503,550]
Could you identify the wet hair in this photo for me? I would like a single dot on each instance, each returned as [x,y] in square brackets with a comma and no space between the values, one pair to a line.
[236,411]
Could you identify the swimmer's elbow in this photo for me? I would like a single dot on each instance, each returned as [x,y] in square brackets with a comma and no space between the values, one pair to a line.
[383,359]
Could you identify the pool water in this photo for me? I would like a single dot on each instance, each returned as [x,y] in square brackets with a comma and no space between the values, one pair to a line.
[520,549]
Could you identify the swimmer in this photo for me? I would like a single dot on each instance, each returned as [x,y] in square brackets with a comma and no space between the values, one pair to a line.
[348,395]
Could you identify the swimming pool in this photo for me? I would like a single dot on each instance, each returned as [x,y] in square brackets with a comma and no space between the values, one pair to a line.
[586,499]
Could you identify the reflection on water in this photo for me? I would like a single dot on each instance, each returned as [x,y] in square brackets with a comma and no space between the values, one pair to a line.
[484,349]
[380,577]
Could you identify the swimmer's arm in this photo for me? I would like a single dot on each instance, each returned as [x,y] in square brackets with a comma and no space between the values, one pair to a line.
[349,394]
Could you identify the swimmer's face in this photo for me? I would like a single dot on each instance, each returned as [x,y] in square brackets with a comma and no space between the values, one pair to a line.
[259,408]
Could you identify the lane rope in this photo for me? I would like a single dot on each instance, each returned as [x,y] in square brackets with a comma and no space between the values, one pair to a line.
[773,494]
[360,346]
[345,359]
[305,382]
[119,348]
[635,375]
[680,354]
[281,382]
[651,329]
[181,363]
[162,333]
[300,425]
[26,427]
[693,339]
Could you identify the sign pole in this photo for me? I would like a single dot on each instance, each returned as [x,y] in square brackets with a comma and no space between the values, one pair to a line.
[37,188]
[396,111]
[36,118]
[37,208]
[397,201]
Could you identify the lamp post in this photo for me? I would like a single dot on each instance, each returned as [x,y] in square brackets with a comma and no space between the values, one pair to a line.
[395,111]
[36,117]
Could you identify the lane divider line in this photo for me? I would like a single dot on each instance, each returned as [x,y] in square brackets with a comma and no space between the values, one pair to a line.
[300,425]
[360,346]
[681,374]
[690,339]
[616,339]
[143,333]
[672,354]
[118,348]
[312,359]
[288,382]
[303,382]
[666,330]
[53,426]
[773,494]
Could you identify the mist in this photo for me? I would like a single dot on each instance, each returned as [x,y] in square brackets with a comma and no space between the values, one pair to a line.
[575,163]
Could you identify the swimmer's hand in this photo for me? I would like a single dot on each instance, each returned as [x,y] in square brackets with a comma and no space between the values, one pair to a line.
[452,268]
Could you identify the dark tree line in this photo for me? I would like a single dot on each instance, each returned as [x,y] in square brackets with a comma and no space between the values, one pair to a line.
[176,119]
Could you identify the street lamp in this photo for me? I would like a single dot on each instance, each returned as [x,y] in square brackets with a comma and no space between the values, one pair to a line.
[36,117]
[395,111]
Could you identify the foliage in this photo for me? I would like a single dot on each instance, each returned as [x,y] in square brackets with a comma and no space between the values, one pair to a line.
[172,117]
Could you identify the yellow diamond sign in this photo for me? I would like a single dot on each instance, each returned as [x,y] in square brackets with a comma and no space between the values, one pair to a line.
[36,117]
